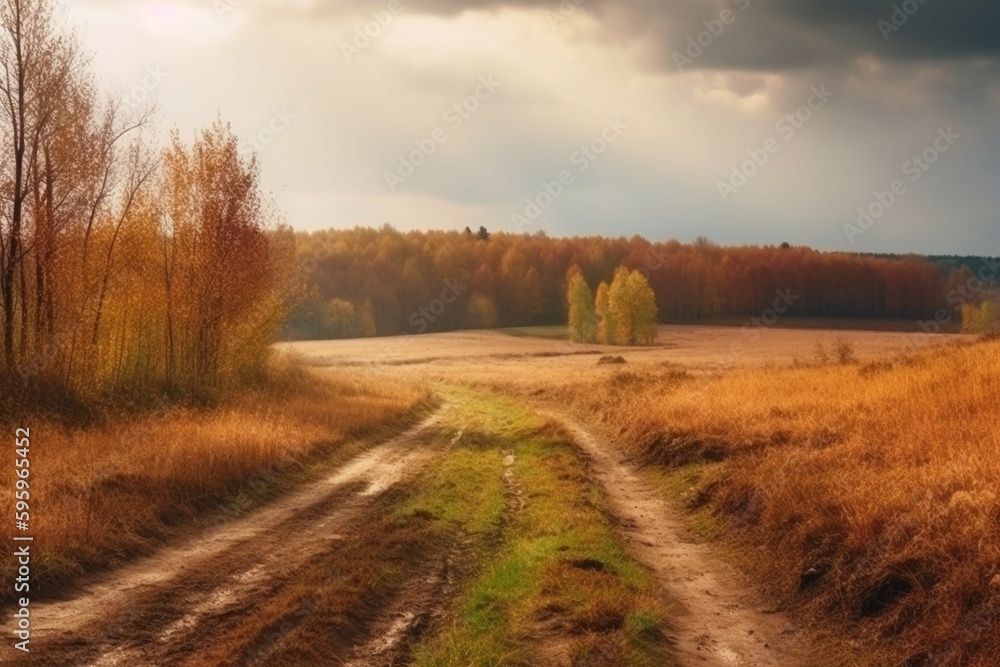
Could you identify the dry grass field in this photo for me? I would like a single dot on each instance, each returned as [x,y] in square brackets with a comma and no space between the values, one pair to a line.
[831,491]
[871,487]
[109,492]
[859,487]
[517,357]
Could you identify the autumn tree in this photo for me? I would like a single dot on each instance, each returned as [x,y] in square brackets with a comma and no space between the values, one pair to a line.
[983,319]
[76,180]
[607,324]
[482,312]
[582,320]
[632,308]
[124,269]
[525,276]
[366,320]
[619,307]
[643,309]
[218,273]
[39,61]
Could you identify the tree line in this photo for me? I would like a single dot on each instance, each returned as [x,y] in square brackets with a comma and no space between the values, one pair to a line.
[125,267]
[520,280]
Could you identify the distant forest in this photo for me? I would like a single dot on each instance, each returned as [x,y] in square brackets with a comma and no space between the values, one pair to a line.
[365,282]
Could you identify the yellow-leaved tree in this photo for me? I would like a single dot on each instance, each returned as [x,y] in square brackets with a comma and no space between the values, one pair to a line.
[983,319]
[607,324]
[582,316]
[627,310]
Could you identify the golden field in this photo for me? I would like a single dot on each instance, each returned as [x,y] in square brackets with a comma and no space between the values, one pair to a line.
[858,490]
[871,487]
[863,492]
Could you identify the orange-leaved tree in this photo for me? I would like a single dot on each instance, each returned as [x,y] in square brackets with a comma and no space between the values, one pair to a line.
[219,273]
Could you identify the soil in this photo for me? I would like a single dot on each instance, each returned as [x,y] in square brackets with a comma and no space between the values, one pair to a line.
[716,617]
[212,587]
[168,608]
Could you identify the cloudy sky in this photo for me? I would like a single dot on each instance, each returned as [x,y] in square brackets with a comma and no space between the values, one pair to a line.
[747,121]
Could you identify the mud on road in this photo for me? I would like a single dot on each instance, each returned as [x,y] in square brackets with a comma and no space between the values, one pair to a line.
[202,601]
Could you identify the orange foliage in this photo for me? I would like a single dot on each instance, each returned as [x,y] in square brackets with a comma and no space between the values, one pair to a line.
[526,277]
[121,272]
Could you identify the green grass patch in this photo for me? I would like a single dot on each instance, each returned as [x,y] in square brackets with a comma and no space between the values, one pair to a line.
[555,573]
[465,492]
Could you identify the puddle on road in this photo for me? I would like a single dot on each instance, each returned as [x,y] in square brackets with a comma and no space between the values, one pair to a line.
[515,497]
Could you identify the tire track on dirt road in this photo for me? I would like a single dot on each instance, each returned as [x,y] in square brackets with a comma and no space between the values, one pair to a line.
[414,610]
[717,618]
[164,608]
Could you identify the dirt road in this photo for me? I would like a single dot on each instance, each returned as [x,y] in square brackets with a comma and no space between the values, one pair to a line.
[717,618]
[200,602]
[166,608]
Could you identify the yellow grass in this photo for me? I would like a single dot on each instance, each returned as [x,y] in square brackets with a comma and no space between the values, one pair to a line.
[866,492]
[104,493]
[872,487]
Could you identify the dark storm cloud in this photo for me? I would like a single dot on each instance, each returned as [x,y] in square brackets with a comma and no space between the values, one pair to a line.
[911,29]
[776,34]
